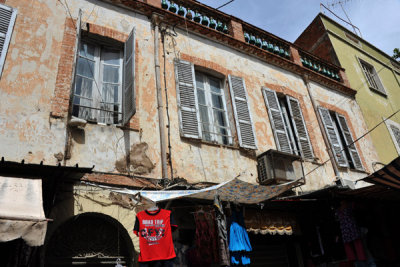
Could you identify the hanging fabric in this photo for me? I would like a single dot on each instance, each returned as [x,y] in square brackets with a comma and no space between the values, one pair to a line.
[220,219]
[239,243]
[206,239]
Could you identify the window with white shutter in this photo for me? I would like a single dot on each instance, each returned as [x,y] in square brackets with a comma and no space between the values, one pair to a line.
[7,20]
[288,124]
[341,139]
[348,140]
[187,100]
[372,77]
[104,87]
[394,130]
[334,138]
[244,124]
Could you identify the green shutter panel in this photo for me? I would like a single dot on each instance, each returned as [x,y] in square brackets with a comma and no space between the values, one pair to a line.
[300,127]
[333,137]
[396,135]
[7,20]
[349,142]
[276,117]
[129,95]
[244,124]
[189,116]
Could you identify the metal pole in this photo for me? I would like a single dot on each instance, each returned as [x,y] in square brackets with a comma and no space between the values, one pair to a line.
[156,22]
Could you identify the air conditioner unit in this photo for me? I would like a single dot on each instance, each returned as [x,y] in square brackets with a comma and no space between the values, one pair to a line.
[278,167]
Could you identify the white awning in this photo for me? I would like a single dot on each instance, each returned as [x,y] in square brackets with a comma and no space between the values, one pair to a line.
[21,210]
[234,190]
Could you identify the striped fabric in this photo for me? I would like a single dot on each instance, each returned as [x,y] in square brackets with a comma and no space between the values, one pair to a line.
[387,176]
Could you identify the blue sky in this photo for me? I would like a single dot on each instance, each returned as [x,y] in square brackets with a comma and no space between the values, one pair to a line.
[379,21]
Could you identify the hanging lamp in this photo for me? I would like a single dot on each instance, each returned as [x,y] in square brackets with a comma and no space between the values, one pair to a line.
[164,4]
[172,7]
[181,11]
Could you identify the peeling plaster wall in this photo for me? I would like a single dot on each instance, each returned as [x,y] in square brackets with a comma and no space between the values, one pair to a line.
[102,145]
[27,84]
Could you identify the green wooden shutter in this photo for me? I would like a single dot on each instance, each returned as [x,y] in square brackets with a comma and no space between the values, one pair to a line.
[7,20]
[276,118]
[244,124]
[333,137]
[129,95]
[300,127]
[189,116]
[348,139]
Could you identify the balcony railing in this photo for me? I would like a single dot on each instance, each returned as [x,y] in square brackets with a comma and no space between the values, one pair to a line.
[197,13]
[313,63]
[207,20]
[266,42]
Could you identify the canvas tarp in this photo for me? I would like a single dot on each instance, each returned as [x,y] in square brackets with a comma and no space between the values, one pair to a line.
[21,210]
[234,190]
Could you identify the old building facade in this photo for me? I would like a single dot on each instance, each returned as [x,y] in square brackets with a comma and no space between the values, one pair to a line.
[144,96]
[373,73]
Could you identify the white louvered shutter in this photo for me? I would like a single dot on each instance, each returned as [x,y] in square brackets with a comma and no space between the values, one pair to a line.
[333,137]
[300,127]
[244,124]
[349,142]
[129,95]
[7,20]
[395,136]
[189,117]
[276,118]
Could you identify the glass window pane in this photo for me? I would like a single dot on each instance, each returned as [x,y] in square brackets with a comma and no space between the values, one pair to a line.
[110,93]
[203,114]
[201,97]
[217,101]
[110,74]
[85,67]
[219,118]
[83,87]
[215,85]
[110,56]
[206,132]
[199,81]
[87,50]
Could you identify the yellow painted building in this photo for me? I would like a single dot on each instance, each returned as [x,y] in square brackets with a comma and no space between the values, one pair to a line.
[372,73]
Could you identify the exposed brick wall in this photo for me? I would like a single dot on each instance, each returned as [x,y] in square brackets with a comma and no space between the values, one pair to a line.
[206,64]
[315,40]
[349,123]
[60,101]
[62,92]
[318,150]
[107,32]
[2,1]
[237,30]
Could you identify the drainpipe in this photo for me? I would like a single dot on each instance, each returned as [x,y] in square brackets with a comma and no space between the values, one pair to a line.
[156,22]
[321,126]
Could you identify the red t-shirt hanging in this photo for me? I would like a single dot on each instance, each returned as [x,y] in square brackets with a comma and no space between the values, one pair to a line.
[155,235]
